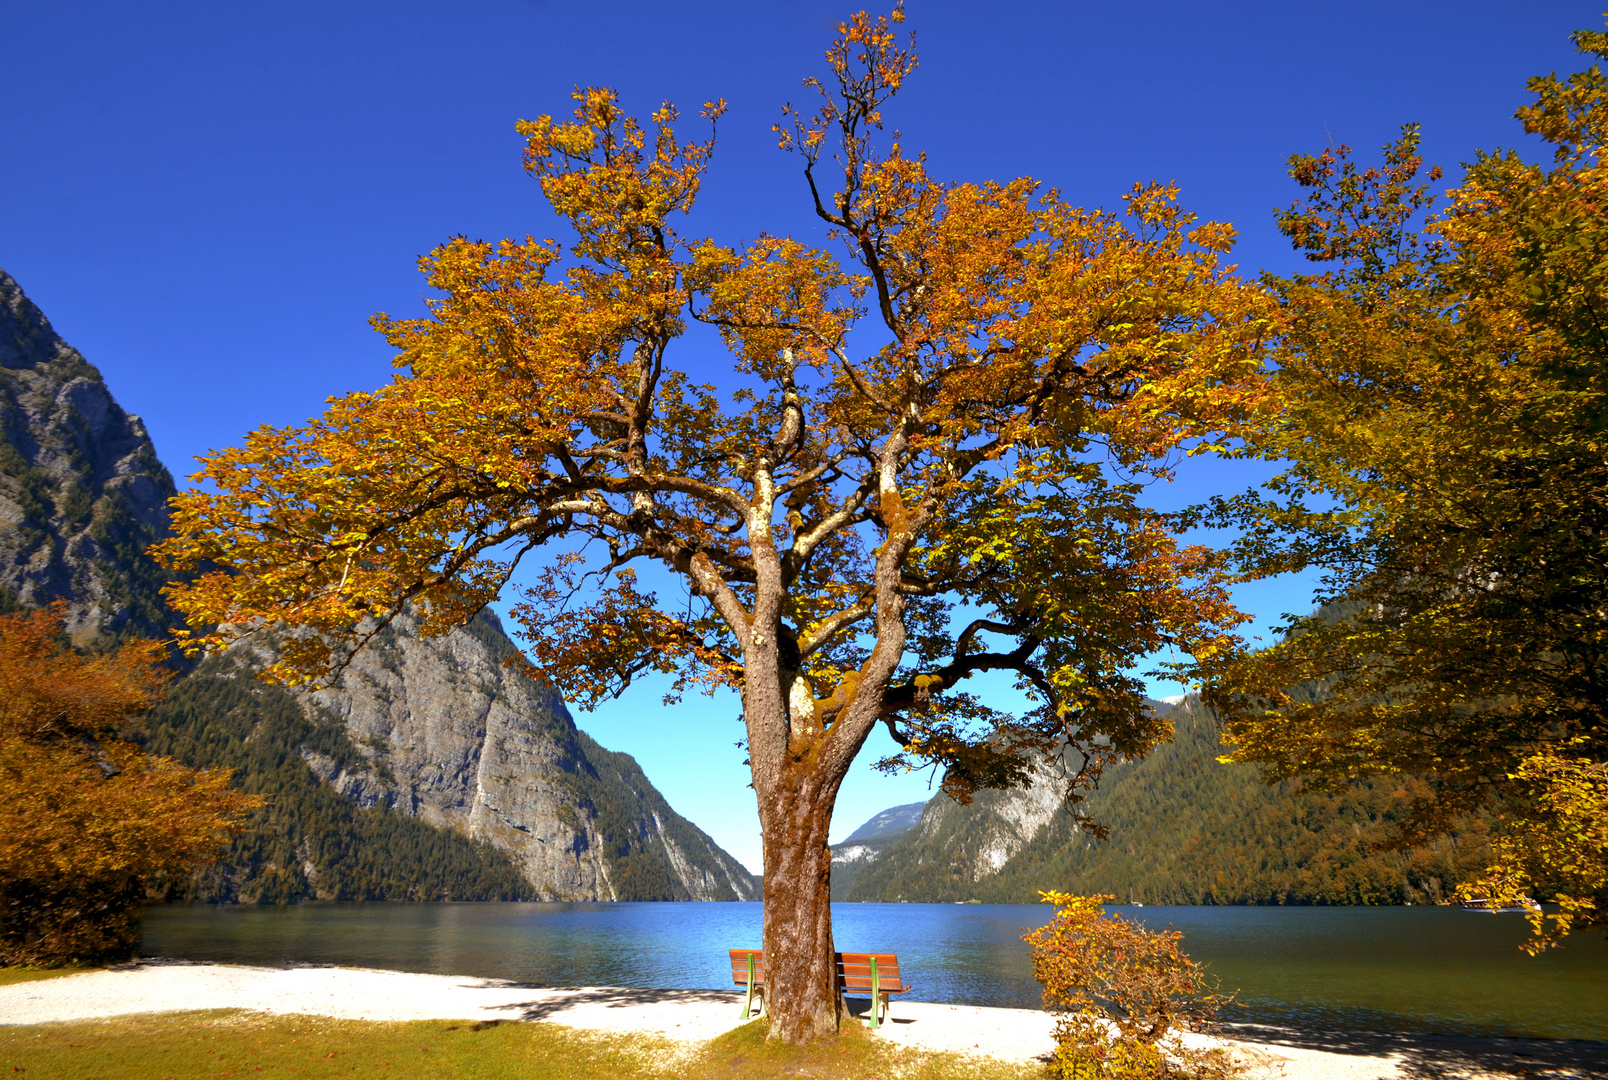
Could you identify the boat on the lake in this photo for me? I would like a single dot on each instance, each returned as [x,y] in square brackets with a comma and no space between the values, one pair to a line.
[1498,907]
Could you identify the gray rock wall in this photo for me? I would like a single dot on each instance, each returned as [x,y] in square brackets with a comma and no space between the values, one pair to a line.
[461,741]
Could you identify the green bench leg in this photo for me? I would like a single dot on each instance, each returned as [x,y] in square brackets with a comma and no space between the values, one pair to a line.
[876,992]
[748,1002]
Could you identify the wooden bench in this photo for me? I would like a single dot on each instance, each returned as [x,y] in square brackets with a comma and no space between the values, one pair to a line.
[876,974]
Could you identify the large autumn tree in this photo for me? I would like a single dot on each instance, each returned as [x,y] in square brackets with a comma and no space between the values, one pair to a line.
[1443,388]
[922,465]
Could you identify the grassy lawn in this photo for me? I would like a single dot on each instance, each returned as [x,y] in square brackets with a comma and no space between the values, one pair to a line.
[9,975]
[189,1046]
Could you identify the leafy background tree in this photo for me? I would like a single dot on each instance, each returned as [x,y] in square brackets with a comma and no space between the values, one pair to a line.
[1443,386]
[90,822]
[862,520]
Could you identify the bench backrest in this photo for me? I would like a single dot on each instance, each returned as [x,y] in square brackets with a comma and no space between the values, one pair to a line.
[739,966]
[853,969]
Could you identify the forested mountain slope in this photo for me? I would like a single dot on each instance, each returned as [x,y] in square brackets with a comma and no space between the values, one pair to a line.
[865,845]
[430,771]
[1185,829]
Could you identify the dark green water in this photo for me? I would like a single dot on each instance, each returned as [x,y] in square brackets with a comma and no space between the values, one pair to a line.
[1439,970]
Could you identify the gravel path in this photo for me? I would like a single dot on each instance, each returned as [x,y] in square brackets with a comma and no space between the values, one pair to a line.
[699,1015]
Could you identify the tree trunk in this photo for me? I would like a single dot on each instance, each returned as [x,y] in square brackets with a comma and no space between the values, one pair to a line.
[800,971]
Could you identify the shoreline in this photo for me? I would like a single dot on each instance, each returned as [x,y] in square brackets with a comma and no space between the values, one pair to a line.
[1019,1035]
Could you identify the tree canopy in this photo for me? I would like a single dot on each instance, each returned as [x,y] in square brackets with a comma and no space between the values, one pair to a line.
[924,463]
[1441,393]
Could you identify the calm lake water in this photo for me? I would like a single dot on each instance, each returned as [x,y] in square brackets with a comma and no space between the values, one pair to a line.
[1370,969]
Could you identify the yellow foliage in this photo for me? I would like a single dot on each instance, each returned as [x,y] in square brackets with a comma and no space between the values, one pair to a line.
[906,432]
[1558,847]
[1122,996]
[1443,385]
[88,819]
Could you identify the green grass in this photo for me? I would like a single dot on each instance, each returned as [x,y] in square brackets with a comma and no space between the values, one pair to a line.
[853,1055]
[191,1046]
[9,975]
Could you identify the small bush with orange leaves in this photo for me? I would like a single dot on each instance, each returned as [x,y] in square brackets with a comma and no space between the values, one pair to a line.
[1123,996]
[88,819]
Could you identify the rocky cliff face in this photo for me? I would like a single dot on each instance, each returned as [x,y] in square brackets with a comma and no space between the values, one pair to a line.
[437,731]
[82,493]
[866,844]
[959,846]
[451,736]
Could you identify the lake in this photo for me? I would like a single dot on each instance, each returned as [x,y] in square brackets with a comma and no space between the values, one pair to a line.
[1414,969]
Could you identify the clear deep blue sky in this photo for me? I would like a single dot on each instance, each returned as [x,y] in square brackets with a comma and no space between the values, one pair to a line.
[209,200]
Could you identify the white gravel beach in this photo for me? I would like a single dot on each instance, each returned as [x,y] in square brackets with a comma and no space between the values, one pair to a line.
[700,1015]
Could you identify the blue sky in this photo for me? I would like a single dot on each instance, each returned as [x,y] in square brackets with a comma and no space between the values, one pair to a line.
[210,200]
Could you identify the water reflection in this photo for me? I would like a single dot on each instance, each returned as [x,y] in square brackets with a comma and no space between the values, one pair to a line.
[1380,969]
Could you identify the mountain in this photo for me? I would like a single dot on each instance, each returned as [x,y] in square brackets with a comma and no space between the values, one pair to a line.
[891,822]
[441,735]
[1185,829]
[865,844]
[82,494]
[429,771]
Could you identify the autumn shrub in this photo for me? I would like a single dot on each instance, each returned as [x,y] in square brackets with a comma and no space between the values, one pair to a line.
[89,820]
[1122,996]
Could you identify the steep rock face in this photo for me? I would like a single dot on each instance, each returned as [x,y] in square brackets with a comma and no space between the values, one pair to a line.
[309,841]
[82,493]
[960,846]
[451,736]
[866,844]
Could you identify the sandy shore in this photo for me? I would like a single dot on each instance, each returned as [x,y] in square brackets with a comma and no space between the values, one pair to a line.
[699,1015]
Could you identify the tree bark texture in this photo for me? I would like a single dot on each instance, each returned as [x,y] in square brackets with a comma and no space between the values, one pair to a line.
[800,970]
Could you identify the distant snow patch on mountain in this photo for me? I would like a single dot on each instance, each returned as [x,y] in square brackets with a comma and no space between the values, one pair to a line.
[895,819]
[854,853]
[862,847]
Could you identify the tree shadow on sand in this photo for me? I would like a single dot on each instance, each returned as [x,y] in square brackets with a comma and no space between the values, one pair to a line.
[1431,1057]
[620,997]
[612,997]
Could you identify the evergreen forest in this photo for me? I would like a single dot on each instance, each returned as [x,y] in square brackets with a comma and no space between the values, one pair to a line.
[1186,829]
[309,841]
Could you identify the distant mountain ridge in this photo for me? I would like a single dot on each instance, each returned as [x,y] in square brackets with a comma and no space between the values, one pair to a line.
[895,819]
[1185,829]
[866,844]
[429,771]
